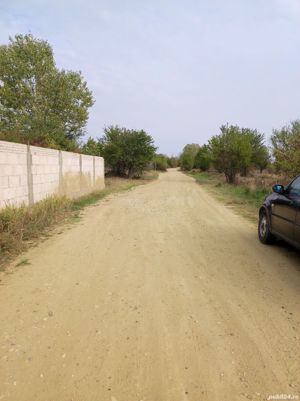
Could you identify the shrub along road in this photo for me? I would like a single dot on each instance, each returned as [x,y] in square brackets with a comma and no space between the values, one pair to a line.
[158,294]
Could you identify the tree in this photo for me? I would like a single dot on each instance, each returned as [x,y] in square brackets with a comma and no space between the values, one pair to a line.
[231,151]
[260,153]
[187,157]
[286,148]
[40,104]
[160,162]
[92,147]
[203,158]
[172,161]
[127,152]
[262,158]
[187,161]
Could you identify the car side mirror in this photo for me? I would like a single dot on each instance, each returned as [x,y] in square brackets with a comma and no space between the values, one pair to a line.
[278,189]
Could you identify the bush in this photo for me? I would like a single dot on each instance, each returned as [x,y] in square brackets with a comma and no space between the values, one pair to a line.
[203,158]
[187,157]
[231,152]
[187,162]
[127,152]
[160,162]
[172,162]
[286,149]
[92,147]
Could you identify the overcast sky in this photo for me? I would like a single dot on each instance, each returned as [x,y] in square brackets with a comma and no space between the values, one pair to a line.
[177,68]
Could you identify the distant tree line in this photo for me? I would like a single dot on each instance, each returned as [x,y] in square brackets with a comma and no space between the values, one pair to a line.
[236,150]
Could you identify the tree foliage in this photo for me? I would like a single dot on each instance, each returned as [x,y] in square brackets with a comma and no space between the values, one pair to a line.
[231,151]
[286,148]
[262,158]
[259,152]
[237,149]
[40,104]
[92,147]
[173,162]
[203,158]
[160,162]
[127,152]
[187,157]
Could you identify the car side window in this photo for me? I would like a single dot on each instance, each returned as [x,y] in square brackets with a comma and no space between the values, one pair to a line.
[294,188]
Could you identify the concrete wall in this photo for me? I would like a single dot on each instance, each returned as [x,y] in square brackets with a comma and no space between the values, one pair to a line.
[29,174]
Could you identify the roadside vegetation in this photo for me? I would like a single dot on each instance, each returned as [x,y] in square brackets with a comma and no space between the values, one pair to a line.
[237,152]
[21,227]
[126,152]
[245,198]
[160,162]
[233,152]
[239,168]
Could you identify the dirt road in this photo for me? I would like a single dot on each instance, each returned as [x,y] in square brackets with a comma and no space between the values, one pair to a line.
[157,294]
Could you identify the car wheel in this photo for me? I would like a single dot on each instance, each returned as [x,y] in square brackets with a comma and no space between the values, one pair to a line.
[264,233]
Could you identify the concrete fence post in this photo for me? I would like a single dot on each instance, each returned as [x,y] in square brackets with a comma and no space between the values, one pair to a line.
[29,177]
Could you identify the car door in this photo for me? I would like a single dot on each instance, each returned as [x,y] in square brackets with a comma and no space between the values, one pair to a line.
[297,228]
[294,194]
[284,211]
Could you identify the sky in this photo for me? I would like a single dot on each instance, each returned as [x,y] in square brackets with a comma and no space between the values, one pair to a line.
[178,69]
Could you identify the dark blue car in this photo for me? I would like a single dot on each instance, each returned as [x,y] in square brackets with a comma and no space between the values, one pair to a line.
[279,216]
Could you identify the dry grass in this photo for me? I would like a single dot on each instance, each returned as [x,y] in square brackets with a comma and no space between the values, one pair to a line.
[20,227]
[245,197]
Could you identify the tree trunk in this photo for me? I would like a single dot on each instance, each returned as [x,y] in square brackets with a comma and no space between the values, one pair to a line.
[231,178]
[244,172]
[130,172]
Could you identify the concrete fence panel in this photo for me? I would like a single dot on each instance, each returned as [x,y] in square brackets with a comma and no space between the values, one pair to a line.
[29,174]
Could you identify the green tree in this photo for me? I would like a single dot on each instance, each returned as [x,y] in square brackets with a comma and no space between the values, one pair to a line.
[127,152]
[187,157]
[231,151]
[92,147]
[172,161]
[262,158]
[187,161]
[203,158]
[160,162]
[260,154]
[40,104]
[286,148]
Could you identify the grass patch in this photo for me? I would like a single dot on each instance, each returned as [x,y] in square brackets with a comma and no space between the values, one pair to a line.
[22,226]
[242,198]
